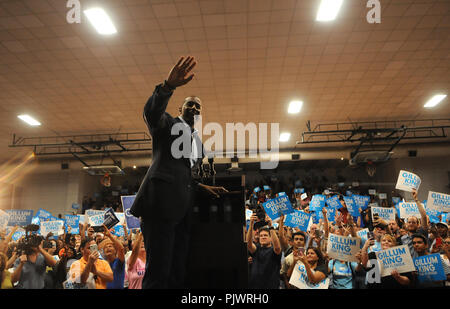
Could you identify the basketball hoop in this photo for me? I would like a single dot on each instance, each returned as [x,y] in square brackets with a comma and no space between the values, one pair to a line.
[370,168]
[106,180]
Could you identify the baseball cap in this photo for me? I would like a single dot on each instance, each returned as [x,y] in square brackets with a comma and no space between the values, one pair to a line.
[442,223]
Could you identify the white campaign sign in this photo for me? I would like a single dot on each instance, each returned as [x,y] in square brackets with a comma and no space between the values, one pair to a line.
[343,248]
[397,258]
[438,201]
[408,210]
[407,181]
[4,218]
[300,280]
[387,214]
[56,227]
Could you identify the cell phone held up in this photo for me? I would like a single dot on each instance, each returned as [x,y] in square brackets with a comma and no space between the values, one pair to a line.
[93,248]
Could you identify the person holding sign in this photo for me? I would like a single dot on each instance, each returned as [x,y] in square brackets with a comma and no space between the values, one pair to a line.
[413,226]
[165,196]
[113,252]
[314,262]
[91,271]
[420,244]
[136,264]
[371,264]
[265,271]
[298,246]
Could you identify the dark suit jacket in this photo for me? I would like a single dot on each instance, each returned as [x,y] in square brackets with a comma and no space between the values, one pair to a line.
[168,189]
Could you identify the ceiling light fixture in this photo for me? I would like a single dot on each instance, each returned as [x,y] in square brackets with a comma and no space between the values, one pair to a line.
[295,107]
[328,10]
[435,100]
[100,20]
[30,120]
[284,137]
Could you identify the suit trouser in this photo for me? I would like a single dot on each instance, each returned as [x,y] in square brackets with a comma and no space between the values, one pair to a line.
[166,244]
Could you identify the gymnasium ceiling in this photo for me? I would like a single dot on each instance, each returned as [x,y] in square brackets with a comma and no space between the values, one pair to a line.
[254,56]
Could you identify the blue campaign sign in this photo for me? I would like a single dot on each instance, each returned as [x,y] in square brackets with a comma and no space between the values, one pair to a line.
[334,202]
[132,221]
[445,217]
[348,193]
[43,214]
[75,206]
[276,207]
[396,200]
[299,190]
[429,268]
[19,217]
[281,193]
[73,222]
[317,202]
[331,215]
[362,201]
[351,206]
[266,188]
[257,189]
[433,214]
[298,219]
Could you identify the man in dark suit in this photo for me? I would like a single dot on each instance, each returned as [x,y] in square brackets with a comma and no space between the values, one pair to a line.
[167,191]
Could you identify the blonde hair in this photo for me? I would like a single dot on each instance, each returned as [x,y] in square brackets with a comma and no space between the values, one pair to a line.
[390,238]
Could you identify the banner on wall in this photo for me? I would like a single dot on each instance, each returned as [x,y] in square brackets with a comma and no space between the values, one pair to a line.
[407,181]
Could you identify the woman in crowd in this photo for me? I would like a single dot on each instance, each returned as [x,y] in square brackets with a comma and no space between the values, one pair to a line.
[136,264]
[395,280]
[315,265]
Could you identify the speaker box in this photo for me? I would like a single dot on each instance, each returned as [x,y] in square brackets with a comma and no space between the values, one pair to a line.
[64,166]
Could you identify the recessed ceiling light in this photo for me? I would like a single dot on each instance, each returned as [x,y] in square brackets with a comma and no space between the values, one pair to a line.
[100,20]
[284,137]
[30,120]
[134,166]
[328,10]
[295,107]
[435,100]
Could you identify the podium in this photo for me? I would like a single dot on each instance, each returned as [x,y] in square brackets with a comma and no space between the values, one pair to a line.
[218,254]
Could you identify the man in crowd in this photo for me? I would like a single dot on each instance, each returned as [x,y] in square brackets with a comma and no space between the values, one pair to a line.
[298,244]
[90,271]
[265,270]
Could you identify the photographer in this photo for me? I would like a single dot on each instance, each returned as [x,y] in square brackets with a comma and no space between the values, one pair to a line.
[32,263]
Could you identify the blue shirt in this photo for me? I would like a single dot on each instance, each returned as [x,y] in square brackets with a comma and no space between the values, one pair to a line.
[341,274]
[118,269]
